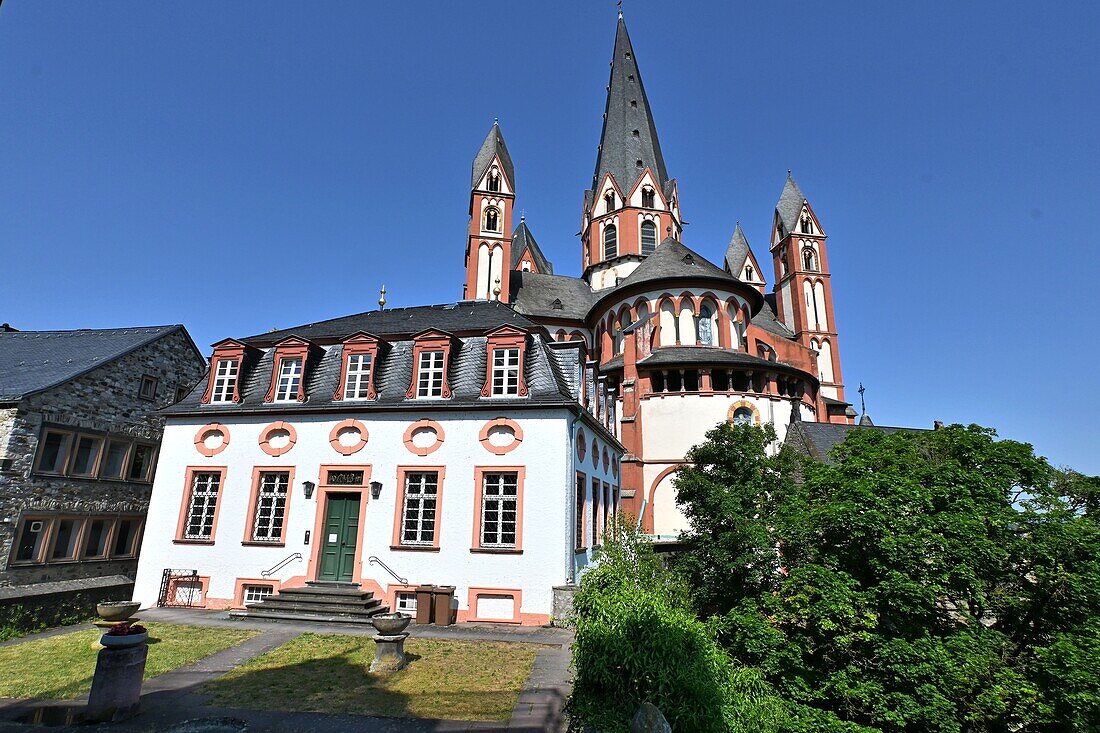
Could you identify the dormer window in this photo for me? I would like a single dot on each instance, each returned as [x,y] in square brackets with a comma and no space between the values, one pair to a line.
[494,181]
[430,375]
[357,383]
[610,241]
[288,375]
[609,202]
[649,237]
[505,350]
[225,380]
[360,356]
[492,220]
[290,379]
[649,198]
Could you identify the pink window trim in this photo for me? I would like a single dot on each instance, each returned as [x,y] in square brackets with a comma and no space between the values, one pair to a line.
[188,479]
[424,423]
[399,509]
[358,344]
[265,438]
[254,495]
[500,422]
[200,443]
[479,473]
[347,450]
[227,349]
[517,602]
[431,341]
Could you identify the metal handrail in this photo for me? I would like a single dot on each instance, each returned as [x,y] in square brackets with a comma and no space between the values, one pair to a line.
[373,560]
[281,563]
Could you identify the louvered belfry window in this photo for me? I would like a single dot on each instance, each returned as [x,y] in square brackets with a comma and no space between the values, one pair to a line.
[267,523]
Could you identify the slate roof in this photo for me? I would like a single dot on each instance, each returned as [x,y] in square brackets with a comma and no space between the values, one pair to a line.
[535,294]
[619,148]
[737,252]
[820,438]
[711,356]
[670,260]
[790,204]
[457,318]
[767,320]
[523,239]
[493,146]
[33,361]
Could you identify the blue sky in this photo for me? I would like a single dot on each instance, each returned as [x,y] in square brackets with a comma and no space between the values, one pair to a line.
[241,166]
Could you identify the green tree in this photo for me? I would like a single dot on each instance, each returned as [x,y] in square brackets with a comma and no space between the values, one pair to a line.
[926,581]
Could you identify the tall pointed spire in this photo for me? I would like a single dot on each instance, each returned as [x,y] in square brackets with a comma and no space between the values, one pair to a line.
[737,252]
[790,203]
[629,142]
[493,147]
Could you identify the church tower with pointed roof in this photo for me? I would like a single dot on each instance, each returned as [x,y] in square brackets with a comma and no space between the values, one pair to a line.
[492,199]
[632,204]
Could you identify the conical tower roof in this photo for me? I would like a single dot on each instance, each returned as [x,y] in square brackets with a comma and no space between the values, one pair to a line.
[737,251]
[629,142]
[790,204]
[493,147]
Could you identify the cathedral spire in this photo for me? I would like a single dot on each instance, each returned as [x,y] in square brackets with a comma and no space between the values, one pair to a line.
[628,144]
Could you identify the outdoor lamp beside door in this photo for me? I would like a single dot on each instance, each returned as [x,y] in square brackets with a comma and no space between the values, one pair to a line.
[375,489]
[308,487]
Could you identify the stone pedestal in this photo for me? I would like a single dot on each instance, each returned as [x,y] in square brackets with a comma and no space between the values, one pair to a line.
[116,687]
[389,653]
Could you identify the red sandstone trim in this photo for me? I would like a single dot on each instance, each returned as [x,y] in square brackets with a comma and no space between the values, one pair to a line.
[499,422]
[424,423]
[399,507]
[347,450]
[265,438]
[200,436]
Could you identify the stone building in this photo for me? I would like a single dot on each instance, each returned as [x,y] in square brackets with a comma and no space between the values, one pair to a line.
[79,437]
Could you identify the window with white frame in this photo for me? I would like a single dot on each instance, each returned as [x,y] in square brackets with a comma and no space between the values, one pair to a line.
[225,380]
[267,523]
[202,505]
[405,602]
[257,593]
[499,509]
[505,372]
[358,377]
[419,510]
[290,378]
[430,374]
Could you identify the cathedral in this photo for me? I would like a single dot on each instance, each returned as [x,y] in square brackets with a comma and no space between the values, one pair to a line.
[678,343]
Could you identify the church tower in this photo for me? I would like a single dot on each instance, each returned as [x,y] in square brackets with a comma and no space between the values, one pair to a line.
[632,205]
[489,242]
[804,295]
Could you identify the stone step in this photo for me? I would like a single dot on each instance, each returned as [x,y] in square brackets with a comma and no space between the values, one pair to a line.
[292,606]
[347,592]
[357,602]
[319,618]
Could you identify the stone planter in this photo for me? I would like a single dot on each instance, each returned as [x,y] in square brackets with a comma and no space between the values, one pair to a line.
[115,611]
[388,624]
[118,642]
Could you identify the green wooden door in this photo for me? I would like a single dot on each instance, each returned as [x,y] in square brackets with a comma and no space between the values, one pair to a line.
[340,537]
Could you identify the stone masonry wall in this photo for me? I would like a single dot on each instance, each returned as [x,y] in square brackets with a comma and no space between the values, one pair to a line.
[105,399]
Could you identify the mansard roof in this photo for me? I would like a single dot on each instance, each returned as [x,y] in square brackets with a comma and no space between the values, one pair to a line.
[493,147]
[737,251]
[523,239]
[620,150]
[790,204]
[551,296]
[34,361]
[463,317]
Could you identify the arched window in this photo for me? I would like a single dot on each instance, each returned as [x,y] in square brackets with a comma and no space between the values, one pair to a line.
[494,181]
[705,328]
[809,262]
[743,416]
[492,220]
[807,224]
[687,333]
[748,272]
[670,326]
[609,201]
[648,198]
[610,241]
[783,258]
[649,237]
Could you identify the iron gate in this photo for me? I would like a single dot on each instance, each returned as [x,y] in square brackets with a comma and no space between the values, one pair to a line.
[179,589]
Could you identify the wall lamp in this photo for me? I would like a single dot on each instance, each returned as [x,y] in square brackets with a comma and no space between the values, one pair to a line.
[375,489]
[308,487]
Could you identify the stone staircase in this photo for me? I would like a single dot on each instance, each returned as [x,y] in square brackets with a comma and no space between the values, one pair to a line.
[317,602]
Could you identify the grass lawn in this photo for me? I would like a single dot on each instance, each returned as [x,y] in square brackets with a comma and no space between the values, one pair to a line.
[458,680]
[61,667]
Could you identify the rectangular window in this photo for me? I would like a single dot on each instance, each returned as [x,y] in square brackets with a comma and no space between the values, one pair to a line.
[505,372]
[95,539]
[595,511]
[86,451]
[225,380]
[141,462]
[290,379]
[181,393]
[148,388]
[358,378]
[578,530]
[419,509]
[405,602]
[65,535]
[114,462]
[53,449]
[257,593]
[430,375]
[499,509]
[32,537]
[126,532]
[202,505]
[267,522]
[606,506]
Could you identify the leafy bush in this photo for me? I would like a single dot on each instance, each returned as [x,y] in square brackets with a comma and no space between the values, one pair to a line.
[637,641]
[17,620]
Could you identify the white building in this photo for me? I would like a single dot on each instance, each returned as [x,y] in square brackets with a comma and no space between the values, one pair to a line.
[390,449]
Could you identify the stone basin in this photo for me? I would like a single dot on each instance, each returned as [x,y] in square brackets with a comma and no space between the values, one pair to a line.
[390,623]
[116,611]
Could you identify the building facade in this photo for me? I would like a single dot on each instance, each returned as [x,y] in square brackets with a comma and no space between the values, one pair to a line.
[451,445]
[79,437]
[679,343]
